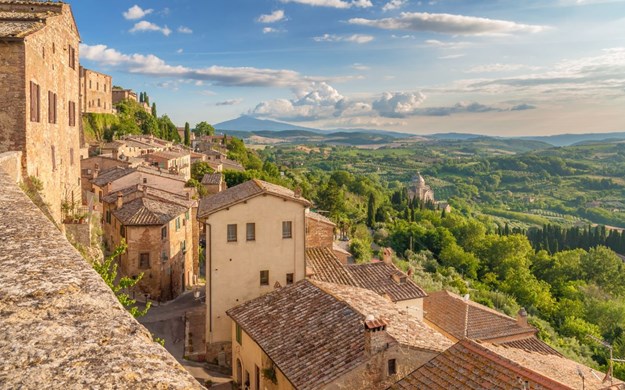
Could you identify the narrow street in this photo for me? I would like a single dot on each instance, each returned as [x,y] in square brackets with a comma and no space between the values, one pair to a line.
[166,321]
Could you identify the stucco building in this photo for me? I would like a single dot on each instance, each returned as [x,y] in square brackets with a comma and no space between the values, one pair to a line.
[158,228]
[96,94]
[316,335]
[40,98]
[255,240]
[173,161]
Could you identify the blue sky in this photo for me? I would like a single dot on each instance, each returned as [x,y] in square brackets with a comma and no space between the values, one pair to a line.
[489,67]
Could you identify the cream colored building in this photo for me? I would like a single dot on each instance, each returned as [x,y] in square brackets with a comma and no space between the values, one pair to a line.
[317,335]
[173,161]
[255,240]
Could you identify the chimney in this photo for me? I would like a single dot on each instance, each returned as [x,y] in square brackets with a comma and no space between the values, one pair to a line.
[144,190]
[298,192]
[387,255]
[521,318]
[399,277]
[376,339]
[120,201]
[109,186]
[96,171]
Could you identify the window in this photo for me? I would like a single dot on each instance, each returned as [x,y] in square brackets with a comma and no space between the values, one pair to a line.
[71,110]
[72,57]
[238,332]
[34,102]
[264,278]
[186,215]
[144,260]
[97,87]
[177,223]
[71,156]
[51,107]
[287,231]
[250,231]
[164,232]
[183,246]
[145,180]
[232,233]
[90,84]
[122,231]
[53,154]
[257,377]
[392,367]
[99,102]
[289,279]
[108,216]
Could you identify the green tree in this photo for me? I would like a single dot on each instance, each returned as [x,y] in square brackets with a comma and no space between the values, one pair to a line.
[107,269]
[371,210]
[199,169]
[201,190]
[203,128]
[154,110]
[187,134]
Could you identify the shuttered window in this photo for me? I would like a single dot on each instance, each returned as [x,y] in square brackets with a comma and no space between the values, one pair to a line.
[72,57]
[51,107]
[72,113]
[34,102]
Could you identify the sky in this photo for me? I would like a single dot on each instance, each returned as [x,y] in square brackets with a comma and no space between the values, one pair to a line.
[498,67]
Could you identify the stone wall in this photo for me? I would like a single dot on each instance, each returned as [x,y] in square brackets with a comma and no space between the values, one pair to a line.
[319,233]
[96,95]
[60,323]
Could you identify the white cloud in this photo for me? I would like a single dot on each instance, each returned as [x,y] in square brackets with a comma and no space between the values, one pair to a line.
[136,12]
[398,104]
[179,51]
[185,30]
[357,38]
[152,65]
[333,3]
[361,67]
[393,4]
[447,45]
[452,56]
[271,30]
[273,17]
[144,25]
[448,24]
[231,102]
[491,68]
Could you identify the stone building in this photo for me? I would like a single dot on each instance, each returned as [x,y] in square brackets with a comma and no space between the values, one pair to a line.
[173,161]
[255,239]
[316,335]
[40,98]
[319,230]
[91,167]
[419,190]
[120,94]
[158,228]
[214,182]
[96,94]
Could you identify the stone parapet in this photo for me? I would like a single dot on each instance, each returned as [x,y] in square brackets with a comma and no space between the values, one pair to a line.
[61,325]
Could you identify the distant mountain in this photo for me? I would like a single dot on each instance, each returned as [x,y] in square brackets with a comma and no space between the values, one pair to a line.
[570,139]
[248,123]
[452,136]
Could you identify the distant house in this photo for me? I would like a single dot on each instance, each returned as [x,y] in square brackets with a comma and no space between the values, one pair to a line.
[173,161]
[419,190]
[158,228]
[317,335]
[255,240]
[96,92]
[120,94]
[214,182]
[381,277]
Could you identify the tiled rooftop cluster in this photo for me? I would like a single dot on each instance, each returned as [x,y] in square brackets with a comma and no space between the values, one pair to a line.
[324,266]
[60,324]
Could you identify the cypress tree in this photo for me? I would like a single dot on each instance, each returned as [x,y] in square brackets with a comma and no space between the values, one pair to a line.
[187,134]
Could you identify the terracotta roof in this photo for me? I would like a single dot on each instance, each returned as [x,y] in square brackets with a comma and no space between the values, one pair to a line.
[469,365]
[152,193]
[314,331]
[311,336]
[245,191]
[20,22]
[319,217]
[402,325]
[326,267]
[377,277]
[531,344]
[146,211]
[157,172]
[167,154]
[110,175]
[212,178]
[231,165]
[461,318]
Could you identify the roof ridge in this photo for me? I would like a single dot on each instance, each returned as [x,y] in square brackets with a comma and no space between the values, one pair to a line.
[510,364]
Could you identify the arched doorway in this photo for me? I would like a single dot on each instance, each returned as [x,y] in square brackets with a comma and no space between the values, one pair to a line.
[239,373]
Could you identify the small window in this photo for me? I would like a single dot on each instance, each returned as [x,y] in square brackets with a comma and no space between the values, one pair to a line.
[289,279]
[183,246]
[34,102]
[108,216]
[51,107]
[177,223]
[145,180]
[144,260]
[72,57]
[163,232]
[71,111]
[122,231]
[287,231]
[71,156]
[239,334]
[392,367]
[186,215]
[232,233]
[257,377]
[53,153]
[264,278]
[250,231]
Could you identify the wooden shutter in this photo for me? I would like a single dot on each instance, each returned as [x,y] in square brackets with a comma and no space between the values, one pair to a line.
[50,110]
[54,108]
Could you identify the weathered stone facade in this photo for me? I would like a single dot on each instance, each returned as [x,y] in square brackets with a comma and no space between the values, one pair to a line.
[319,231]
[123,94]
[39,80]
[61,325]
[96,93]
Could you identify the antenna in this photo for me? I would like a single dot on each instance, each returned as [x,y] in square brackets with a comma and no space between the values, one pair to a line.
[608,375]
[581,375]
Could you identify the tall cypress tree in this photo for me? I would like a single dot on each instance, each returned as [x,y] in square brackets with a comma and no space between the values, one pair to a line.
[371,211]
[187,134]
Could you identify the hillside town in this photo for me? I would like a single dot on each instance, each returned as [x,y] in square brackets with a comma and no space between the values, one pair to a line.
[275,299]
